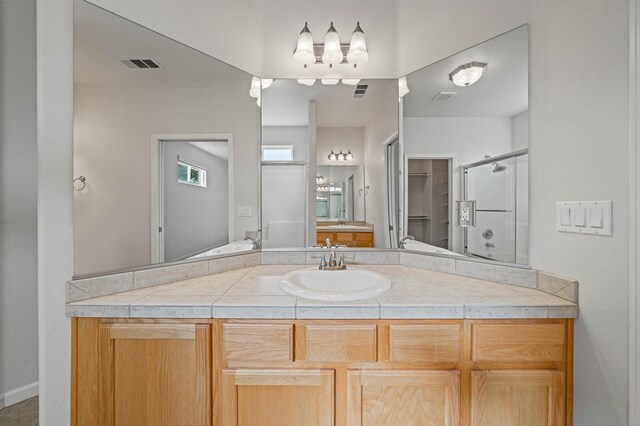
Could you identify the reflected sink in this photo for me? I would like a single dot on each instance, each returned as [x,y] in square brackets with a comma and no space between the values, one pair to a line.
[339,286]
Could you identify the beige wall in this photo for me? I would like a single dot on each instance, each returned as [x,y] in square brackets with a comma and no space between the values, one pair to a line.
[382,126]
[18,215]
[113,128]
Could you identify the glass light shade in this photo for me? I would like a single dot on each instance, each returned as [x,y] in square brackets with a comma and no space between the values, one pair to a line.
[332,156]
[358,47]
[254,91]
[304,50]
[341,156]
[266,82]
[350,81]
[403,89]
[259,101]
[467,74]
[330,81]
[306,81]
[332,52]
[349,156]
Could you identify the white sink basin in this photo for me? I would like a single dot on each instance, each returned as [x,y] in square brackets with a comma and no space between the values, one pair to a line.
[344,285]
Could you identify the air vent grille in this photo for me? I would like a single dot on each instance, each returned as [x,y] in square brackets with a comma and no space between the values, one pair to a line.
[361,90]
[140,63]
[444,96]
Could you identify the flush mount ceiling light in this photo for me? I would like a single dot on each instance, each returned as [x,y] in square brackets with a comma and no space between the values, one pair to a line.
[331,52]
[467,74]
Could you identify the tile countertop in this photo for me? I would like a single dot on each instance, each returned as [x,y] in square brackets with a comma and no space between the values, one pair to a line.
[254,293]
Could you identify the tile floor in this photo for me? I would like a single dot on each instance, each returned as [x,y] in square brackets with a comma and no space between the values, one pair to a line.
[24,413]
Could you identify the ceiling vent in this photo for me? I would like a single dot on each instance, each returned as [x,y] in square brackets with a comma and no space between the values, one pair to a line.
[361,90]
[444,96]
[140,64]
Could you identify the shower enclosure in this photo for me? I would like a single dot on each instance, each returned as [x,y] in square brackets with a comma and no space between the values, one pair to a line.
[499,186]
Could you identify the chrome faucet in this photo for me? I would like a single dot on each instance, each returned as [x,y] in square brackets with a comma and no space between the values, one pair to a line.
[404,239]
[255,241]
[334,263]
[328,242]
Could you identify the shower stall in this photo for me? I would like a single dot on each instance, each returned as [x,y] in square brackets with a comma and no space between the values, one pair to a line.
[499,187]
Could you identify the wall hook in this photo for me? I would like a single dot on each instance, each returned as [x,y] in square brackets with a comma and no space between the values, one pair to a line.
[81,183]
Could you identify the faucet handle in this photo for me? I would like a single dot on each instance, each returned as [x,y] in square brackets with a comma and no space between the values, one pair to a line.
[341,262]
[323,262]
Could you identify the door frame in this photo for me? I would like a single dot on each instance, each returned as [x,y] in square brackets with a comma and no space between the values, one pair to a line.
[157,187]
[452,164]
[386,220]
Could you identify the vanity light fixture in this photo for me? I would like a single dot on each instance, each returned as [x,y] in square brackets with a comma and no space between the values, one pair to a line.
[340,156]
[256,85]
[331,52]
[330,81]
[467,74]
[350,81]
[304,52]
[307,81]
[357,53]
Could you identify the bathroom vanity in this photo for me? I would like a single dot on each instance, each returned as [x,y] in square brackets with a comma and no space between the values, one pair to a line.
[230,349]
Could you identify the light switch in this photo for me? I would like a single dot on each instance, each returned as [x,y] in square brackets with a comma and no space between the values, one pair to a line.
[585,217]
[595,217]
[565,216]
[244,211]
[580,217]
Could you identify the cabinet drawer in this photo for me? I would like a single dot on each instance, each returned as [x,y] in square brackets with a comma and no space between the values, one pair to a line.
[363,236]
[425,343]
[337,342]
[321,237]
[258,342]
[517,342]
[344,236]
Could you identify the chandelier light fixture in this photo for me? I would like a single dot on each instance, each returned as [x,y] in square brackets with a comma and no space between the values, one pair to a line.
[467,74]
[331,52]
[257,84]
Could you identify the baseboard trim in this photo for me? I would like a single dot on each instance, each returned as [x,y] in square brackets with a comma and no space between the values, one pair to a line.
[18,395]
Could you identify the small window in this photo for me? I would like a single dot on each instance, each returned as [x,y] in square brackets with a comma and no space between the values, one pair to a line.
[277,153]
[192,175]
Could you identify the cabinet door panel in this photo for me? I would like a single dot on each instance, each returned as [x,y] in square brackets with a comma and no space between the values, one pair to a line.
[408,397]
[155,375]
[277,397]
[517,398]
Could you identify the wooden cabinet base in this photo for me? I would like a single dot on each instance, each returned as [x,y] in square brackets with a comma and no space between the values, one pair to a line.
[322,372]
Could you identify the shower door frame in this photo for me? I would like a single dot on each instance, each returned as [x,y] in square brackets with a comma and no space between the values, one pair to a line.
[465,188]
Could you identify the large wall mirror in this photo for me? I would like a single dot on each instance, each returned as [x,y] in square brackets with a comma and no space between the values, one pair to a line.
[326,148]
[469,142]
[166,148]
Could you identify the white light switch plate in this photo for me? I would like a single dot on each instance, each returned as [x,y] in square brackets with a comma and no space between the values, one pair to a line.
[244,211]
[584,217]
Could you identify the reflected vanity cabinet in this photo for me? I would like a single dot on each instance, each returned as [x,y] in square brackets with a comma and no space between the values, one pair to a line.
[322,372]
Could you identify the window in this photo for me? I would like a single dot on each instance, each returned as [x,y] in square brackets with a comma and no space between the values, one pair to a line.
[192,175]
[277,153]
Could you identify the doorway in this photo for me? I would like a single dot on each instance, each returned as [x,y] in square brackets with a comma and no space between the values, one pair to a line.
[192,192]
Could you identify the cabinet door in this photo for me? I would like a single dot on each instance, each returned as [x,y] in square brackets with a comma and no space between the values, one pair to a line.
[155,374]
[517,398]
[277,397]
[403,397]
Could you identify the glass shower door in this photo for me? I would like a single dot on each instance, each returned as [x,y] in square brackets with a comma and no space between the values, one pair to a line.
[493,186]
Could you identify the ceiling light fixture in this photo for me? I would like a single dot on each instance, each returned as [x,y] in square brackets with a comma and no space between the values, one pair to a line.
[330,81]
[331,52]
[467,74]
[403,88]
[257,85]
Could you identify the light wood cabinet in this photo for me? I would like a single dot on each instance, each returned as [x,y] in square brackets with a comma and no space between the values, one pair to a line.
[277,397]
[322,372]
[144,374]
[350,239]
[404,397]
[520,397]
